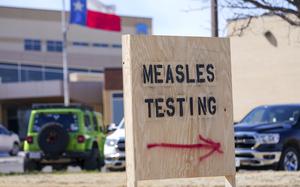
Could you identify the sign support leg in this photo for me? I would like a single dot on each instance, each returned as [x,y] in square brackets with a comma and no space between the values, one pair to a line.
[230,181]
[131,183]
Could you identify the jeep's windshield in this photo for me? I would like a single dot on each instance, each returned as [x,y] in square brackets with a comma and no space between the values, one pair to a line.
[68,120]
[273,114]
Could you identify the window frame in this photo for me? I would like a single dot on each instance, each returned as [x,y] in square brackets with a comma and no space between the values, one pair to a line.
[32,45]
[8,68]
[54,46]
[95,122]
[112,104]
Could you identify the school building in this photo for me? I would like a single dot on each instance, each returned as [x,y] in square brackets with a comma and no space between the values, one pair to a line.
[31,64]
[265,60]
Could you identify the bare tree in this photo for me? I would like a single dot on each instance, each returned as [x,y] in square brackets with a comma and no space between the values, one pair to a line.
[288,10]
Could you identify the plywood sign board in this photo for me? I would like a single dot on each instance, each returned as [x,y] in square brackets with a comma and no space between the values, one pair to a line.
[178,107]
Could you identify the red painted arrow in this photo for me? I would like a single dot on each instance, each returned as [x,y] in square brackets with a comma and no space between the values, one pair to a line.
[208,144]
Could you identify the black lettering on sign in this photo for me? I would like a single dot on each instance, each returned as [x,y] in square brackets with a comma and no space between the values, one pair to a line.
[148,74]
[158,107]
[199,73]
[149,101]
[191,106]
[212,107]
[180,73]
[180,106]
[170,106]
[210,73]
[169,77]
[188,79]
[157,73]
[170,74]
[180,101]
[202,105]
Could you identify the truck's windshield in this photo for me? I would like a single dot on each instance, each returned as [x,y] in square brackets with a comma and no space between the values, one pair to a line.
[273,114]
[121,124]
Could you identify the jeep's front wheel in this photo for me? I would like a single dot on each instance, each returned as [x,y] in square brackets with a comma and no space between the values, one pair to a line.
[31,165]
[290,160]
[92,162]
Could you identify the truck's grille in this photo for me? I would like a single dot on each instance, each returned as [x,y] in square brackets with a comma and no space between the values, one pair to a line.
[244,155]
[121,145]
[244,141]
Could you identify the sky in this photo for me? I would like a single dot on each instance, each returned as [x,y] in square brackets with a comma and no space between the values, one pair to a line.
[170,17]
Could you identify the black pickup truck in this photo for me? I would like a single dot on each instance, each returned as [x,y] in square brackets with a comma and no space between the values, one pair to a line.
[269,136]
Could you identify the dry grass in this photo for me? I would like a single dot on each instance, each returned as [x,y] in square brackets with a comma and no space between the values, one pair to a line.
[247,179]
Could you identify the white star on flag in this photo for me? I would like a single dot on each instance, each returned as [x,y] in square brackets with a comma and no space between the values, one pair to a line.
[78,6]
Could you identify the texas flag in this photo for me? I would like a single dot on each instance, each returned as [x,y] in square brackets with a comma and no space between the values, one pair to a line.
[94,14]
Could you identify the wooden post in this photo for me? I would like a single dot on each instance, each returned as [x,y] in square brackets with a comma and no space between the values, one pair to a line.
[230,181]
[128,117]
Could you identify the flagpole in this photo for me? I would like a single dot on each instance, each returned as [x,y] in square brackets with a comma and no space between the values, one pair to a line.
[64,56]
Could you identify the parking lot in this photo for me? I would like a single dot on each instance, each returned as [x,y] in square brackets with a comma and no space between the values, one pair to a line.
[9,164]
[14,164]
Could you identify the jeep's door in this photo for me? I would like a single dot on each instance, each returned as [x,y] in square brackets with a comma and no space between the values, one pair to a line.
[98,133]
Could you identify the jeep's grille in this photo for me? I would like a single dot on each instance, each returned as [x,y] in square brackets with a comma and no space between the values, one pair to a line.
[121,145]
[244,141]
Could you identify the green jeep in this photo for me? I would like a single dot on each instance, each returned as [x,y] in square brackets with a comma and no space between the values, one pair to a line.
[61,136]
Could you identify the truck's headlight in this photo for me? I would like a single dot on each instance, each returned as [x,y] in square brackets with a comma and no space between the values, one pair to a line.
[111,142]
[267,138]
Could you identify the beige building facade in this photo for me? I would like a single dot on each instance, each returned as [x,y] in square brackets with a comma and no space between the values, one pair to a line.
[31,63]
[265,63]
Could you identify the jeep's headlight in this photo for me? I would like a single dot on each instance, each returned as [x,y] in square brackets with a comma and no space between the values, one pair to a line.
[111,142]
[267,138]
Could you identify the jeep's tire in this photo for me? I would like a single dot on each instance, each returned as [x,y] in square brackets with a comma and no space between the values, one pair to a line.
[92,162]
[31,165]
[53,139]
[290,159]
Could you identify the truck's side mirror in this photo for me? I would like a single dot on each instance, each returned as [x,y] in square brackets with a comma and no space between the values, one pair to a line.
[235,122]
[111,128]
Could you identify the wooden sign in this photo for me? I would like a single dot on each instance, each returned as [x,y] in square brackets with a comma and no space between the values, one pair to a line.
[178,108]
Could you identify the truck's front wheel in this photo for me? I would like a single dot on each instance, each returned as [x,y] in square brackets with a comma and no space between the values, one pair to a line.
[290,159]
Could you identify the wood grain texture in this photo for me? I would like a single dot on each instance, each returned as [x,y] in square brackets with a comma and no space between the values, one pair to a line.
[230,181]
[161,163]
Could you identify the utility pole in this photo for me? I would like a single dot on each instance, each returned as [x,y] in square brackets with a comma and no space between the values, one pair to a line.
[64,56]
[214,18]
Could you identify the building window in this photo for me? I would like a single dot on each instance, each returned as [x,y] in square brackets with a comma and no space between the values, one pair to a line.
[54,46]
[31,73]
[53,73]
[84,44]
[104,45]
[32,45]
[74,70]
[96,71]
[8,73]
[141,28]
[116,45]
[117,107]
